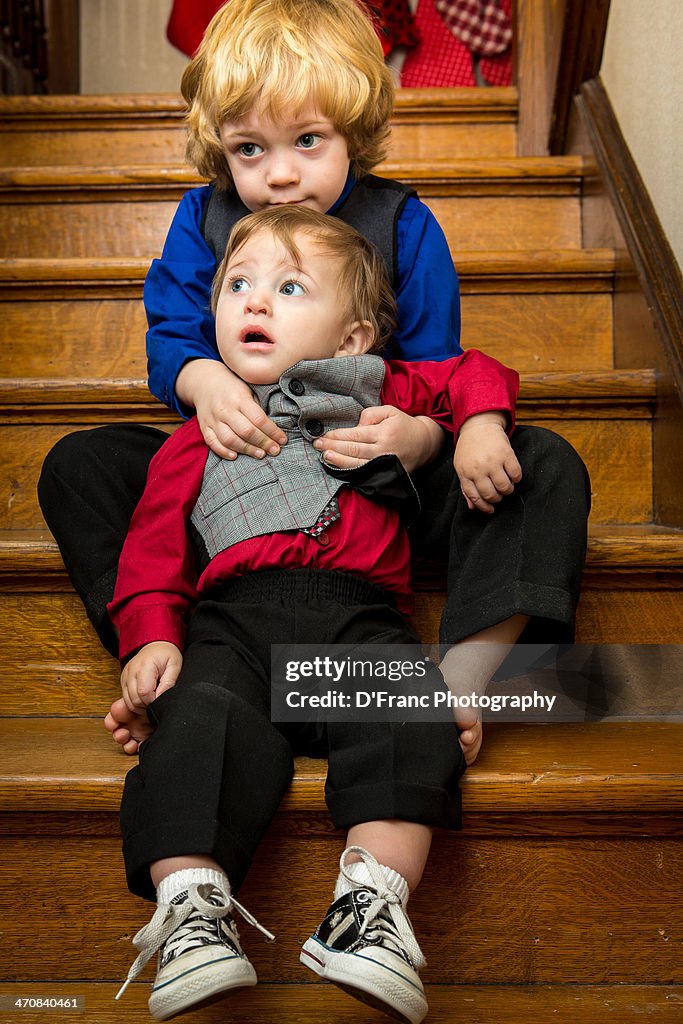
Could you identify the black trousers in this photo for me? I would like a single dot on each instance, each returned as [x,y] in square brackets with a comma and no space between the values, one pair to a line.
[525,558]
[211,776]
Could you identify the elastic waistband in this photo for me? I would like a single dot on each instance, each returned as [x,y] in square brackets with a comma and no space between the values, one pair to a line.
[301,585]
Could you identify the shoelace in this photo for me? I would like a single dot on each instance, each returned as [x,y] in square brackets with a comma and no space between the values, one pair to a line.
[386,899]
[168,917]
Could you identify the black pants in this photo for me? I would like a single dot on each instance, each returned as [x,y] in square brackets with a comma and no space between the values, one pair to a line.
[525,558]
[212,774]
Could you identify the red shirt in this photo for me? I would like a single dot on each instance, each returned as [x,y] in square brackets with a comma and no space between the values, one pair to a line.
[157,583]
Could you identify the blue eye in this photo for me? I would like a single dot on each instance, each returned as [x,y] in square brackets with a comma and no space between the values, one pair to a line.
[309,140]
[239,284]
[250,149]
[293,288]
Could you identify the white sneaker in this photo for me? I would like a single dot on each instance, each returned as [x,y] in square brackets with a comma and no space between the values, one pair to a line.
[200,957]
[366,946]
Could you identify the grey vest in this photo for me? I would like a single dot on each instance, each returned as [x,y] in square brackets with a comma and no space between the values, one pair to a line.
[372,208]
[251,497]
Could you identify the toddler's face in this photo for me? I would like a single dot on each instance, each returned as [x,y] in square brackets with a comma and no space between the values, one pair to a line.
[304,161]
[272,313]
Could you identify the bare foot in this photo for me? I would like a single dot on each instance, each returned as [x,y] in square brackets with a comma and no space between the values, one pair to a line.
[470,740]
[128,728]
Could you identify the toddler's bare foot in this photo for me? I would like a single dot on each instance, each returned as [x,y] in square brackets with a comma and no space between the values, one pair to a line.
[470,739]
[128,728]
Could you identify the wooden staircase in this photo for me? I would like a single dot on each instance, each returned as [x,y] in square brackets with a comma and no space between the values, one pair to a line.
[561,897]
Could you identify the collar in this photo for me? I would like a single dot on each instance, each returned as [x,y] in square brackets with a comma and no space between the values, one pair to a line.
[347,375]
[345,193]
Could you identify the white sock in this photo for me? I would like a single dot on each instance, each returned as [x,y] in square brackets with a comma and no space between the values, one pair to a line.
[361,876]
[179,882]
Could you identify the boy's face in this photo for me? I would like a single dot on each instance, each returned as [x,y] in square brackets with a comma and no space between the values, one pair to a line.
[271,313]
[304,161]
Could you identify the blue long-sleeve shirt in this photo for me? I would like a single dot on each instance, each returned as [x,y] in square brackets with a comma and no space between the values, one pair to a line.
[178,294]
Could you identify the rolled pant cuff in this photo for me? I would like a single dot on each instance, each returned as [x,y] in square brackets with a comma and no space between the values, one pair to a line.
[185,838]
[404,801]
[552,604]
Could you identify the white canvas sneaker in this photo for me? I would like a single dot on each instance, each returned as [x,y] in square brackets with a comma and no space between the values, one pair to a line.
[200,956]
[366,946]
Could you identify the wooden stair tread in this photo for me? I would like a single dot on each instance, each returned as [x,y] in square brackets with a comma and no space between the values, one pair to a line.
[69,764]
[83,270]
[62,129]
[25,552]
[598,387]
[316,1003]
[46,111]
[594,411]
[31,183]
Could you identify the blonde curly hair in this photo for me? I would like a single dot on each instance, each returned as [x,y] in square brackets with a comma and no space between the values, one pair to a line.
[286,54]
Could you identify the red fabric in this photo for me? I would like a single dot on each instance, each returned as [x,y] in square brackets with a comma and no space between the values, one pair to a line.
[187,22]
[394,23]
[157,583]
[439,59]
[442,60]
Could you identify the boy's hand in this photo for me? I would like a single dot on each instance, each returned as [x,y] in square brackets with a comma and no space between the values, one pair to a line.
[153,670]
[231,421]
[382,430]
[484,460]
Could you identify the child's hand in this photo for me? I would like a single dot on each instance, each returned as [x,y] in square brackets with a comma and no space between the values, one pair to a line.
[484,460]
[153,670]
[382,430]
[231,420]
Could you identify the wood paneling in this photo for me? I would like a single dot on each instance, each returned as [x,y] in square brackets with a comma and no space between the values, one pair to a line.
[514,306]
[610,447]
[326,1004]
[116,130]
[583,39]
[538,36]
[97,337]
[521,329]
[649,291]
[568,923]
[575,768]
[481,204]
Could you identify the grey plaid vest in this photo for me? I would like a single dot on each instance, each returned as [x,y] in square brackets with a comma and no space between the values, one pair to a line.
[250,497]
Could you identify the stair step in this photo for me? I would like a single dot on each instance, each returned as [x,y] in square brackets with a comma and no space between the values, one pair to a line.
[317,1004]
[521,203]
[606,416]
[54,664]
[579,821]
[115,130]
[586,909]
[325,1004]
[516,306]
[573,769]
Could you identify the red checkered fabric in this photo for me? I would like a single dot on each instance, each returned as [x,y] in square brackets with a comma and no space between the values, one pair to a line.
[482,25]
[394,24]
[330,514]
[441,59]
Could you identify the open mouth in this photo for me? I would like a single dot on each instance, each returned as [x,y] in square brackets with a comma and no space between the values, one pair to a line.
[255,337]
